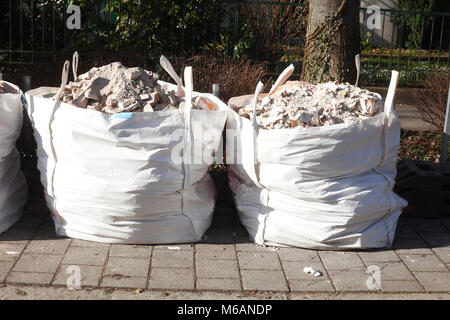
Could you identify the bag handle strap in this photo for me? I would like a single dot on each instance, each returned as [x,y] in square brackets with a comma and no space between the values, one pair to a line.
[64,78]
[358,68]
[189,81]
[75,59]
[258,90]
[389,101]
[282,78]
[165,63]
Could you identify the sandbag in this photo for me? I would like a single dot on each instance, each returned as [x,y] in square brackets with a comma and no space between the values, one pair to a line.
[317,187]
[13,187]
[120,178]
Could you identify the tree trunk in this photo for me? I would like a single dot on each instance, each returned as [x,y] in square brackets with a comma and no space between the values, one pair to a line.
[332,41]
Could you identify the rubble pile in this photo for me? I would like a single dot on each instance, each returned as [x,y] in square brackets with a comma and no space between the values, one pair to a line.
[114,88]
[298,103]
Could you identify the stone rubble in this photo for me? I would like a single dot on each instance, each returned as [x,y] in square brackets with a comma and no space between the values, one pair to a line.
[301,104]
[114,88]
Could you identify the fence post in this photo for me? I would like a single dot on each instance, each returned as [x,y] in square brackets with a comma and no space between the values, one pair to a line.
[446,133]
[26,83]
[216,90]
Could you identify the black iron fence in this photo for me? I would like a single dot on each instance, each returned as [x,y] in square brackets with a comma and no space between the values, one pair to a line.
[412,42]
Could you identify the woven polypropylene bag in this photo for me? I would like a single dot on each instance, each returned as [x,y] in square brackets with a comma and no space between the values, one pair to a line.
[13,187]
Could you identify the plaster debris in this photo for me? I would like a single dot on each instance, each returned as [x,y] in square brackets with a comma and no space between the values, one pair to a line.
[301,104]
[315,273]
[176,248]
[114,88]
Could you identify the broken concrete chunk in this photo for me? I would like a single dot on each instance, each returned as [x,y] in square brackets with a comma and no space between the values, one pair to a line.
[114,88]
[144,96]
[135,73]
[300,104]
[125,103]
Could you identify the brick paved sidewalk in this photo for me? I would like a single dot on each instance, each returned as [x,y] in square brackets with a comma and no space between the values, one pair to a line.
[226,261]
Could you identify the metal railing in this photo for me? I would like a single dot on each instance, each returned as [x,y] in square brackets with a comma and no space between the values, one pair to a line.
[412,42]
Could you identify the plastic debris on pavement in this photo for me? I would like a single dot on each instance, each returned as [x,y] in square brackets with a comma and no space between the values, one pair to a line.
[301,104]
[114,88]
[314,273]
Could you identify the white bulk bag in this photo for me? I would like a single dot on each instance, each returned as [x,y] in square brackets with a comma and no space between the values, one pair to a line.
[13,187]
[317,187]
[114,178]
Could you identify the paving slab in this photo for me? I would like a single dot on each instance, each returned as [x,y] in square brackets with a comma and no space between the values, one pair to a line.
[297,254]
[316,285]
[221,254]
[371,257]
[252,247]
[224,263]
[5,267]
[174,247]
[218,284]
[406,231]
[401,286]
[124,282]
[89,275]
[17,235]
[395,271]
[172,259]
[294,270]
[218,236]
[434,281]
[132,267]
[427,225]
[416,262]
[259,261]
[130,251]
[57,247]
[92,244]
[217,269]
[161,278]
[437,239]
[264,280]
[30,278]
[443,254]
[411,246]
[88,256]
[353,280]
[38,263]
[10,252]
[337,260]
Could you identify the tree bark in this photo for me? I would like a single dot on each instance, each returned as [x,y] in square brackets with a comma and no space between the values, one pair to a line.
[332,41]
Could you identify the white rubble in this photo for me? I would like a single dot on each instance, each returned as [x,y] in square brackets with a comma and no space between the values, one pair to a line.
[298,103]
[114,88]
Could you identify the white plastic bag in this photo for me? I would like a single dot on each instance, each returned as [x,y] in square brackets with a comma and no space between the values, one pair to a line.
[317,187]
[117,178]
[13,187]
